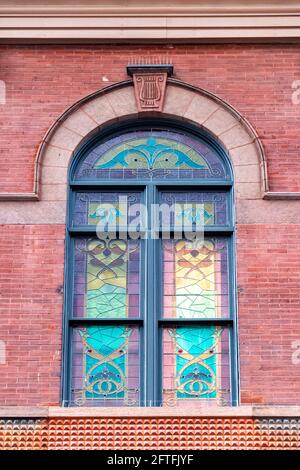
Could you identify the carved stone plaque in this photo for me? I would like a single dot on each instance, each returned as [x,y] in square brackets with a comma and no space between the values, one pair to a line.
[149,86]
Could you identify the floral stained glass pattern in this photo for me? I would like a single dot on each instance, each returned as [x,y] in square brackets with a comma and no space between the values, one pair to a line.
[151,155]
[107,278]
[195,278]
[105,366]
[196,365]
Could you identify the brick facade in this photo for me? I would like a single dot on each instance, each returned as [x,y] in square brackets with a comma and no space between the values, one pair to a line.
[32,299]
[31,276]
[41,82]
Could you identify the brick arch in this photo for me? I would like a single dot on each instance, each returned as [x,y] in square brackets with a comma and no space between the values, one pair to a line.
[182,101]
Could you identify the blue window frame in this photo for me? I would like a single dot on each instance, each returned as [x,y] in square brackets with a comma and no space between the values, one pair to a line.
[150,320]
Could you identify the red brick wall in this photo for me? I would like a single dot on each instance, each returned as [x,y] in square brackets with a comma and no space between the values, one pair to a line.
[42,81]
[31,277]
[269,322]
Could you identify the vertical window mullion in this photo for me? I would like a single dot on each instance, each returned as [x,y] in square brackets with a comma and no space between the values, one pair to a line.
[234,362]
[159,328]
[150,334]
[67,330]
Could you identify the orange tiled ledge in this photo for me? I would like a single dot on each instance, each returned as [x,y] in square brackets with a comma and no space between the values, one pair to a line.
[150,433]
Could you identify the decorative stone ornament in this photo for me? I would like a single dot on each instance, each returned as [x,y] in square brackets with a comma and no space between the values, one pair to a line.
[150,85]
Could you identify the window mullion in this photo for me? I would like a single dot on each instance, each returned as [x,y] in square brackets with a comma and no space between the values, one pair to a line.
[67,330]
[151,340]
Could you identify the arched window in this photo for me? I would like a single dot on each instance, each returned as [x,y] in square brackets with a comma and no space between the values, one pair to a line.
[150,289]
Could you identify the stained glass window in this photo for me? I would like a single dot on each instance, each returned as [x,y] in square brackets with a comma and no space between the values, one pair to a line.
[209,208]
[152,155]
[195,278]
[114,208]
[105,366]
[106,278]
[196,366]
[150,311]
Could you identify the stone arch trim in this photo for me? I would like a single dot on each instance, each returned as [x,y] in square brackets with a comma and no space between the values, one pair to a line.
[182,101]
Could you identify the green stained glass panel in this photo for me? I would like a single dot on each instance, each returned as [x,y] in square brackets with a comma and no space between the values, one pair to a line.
[106,278]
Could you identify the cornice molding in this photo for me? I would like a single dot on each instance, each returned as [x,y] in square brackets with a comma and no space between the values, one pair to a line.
[137,22]
[157,7]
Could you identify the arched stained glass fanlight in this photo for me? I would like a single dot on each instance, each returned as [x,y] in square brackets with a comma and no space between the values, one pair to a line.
[152,319]
[152,155]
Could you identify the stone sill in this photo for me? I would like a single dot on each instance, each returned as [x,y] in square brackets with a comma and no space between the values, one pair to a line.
[91,412]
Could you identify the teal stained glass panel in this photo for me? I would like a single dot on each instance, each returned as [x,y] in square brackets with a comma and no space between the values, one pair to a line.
[106,365]
[196,364]
[193,207]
